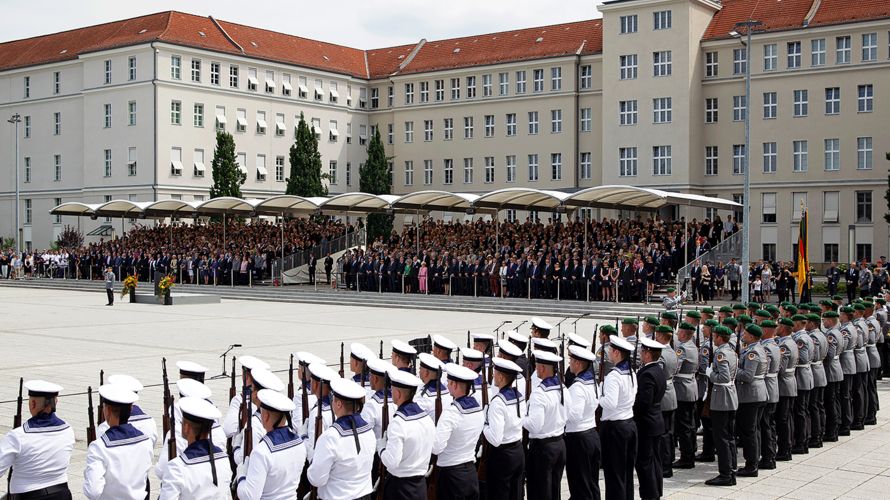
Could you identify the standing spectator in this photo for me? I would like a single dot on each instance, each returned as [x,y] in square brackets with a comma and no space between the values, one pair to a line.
[720,278]
[705,284]
[865,278]
[313,263]
[834,277]
[766,279]
[422,277]
[758,289]
[109,285]
[734,275]
[851,277]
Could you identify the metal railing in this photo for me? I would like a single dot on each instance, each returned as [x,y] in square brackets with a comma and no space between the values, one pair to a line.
[729,248]
[300,258]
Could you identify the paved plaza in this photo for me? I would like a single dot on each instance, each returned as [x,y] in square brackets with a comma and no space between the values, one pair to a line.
[67,337]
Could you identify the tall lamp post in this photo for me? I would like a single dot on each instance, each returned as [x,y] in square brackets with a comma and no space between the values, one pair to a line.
[749,26]
[15,120]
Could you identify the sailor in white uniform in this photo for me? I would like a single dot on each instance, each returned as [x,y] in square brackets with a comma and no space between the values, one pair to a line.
[359,355]
[192,370]
[138,418]
[503,433]
[431,371]
[188,388]
[582,439]
[344,453]
[403,356]
[544,345]
[260,379]
[40,450]
[321,387]
[509,351]
[545,423]
[540,328]
[618,432]
[457,433]
[372,410]
[272,471]
[474,360]
[305,380]
[193,475]
[118,461]
[484,343]
[231,425]
[443,348]
[406,446]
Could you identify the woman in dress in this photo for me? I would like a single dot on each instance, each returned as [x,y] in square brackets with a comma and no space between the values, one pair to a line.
[422,276]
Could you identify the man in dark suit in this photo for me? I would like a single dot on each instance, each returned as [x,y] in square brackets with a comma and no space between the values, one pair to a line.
[852,279]
[328,266]
[651,384]
[313,263]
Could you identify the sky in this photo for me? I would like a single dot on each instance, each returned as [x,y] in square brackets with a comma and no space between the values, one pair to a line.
[355,23]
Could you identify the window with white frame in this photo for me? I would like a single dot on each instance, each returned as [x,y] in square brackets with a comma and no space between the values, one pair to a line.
[409,132]
[797,200]
[220,118]
[770,105]
[866,99]
[801,156]
[241,162]
[520,82]
[511,124]
[198,165]
[869,47]
[27,86]
[538,80]
[768,208]
[863,207]
[390,95]
[318,91]
[627,67]
[349,94]
[770,57]
[627,162]
[586,119]
[390,133]
[628,24]
[196,70]
[556,78]
[427,172]
[817,48]
[739,108]
[468,170]
[424,91]
[214,73]
[427,130]
[801,103]
[555,121]
[279,169]
[57,219]
[316,128]
[662,110]
[348,173]
[261,172]
[503,83]
[448,128]
[712,158]
[233,77]
[333,131]
[489,125]
[487,87]
[471,87]
[280,127]
[586,164]
[739,61]
[198,115]
[793,52]
[176,67]
[661,63]
[586,77]
[106,122]
[661,160]
[533,168]
[363,97]
[270,82]
[711,64]
[175,161]
[409,93]
[261,124]
[712,110]
[468,127]
[448,171]
[107,80]
[532,123]
[175,113]
[738,159]
[832,154]
[375,98]
[57,166]
[510,163]
[864,153]
[455,89]
[131,68]
[832,100]
[843,49]
[489,169]
[830,206]
[29,209]
[556,166]
[57,123]
[27,169]
[627,112]
[770,157]
[241,120]
[662,20]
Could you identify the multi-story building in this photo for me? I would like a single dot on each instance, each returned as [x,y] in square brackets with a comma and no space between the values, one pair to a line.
[652,94]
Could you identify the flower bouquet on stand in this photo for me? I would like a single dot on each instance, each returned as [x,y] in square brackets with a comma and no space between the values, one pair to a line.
[129,287]
[167,283]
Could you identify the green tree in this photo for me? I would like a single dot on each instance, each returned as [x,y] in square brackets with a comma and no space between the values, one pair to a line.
[374,178]
[227,179]
[305,164]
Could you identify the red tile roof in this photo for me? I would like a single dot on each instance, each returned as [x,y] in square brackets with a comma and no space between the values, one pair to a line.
[843,11]
[386,61]
[776,15]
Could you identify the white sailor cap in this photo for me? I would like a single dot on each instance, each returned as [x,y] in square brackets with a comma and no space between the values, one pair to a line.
[275,401]
[509,348]
[543,344]
[470,354]
[117,394]
[429,361]
[581,353]
[42,389]
[619,343]
[307,358]
[404,380]
[517,338]
[651,344]
[360,351]
[540,324]
[251,363]
[444,343]
[266,380]
[403,348]
[127,381]
[506,366]
[198,409]
[347,390]
[483,337]
[189,387]
[191,368]
[546,357]
[322,372]
[380,367]
[576,339]
[460,373]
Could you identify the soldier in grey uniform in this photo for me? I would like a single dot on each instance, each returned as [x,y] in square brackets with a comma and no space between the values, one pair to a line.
[804,376]
[671,301]
[817,407]
[687,394]
[833,374]
[768,441]
[881,315]
[750,387]
[874,363]
[671,366]
[848,366]
[787,389]
[858,395]
[602,353]
[724,404]
[629,329]
[704,360]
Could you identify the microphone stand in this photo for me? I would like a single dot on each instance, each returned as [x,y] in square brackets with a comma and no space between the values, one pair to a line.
[224,374]
[498,329]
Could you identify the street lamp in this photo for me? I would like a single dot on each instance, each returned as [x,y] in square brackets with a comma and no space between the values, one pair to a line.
[15,120]
[749,26]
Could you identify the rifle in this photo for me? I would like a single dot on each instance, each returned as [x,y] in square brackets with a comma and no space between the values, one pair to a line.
[319,421]
[91,430]
[468,340]
[101,412]
[601,376]
[229,449]
[166,420]
[381,350]
[304,486]
[16,423]
[385,425]
[341,359]
[482,465]
[706,404]
[247,443]
[290,379]
[434,470]
[171,439]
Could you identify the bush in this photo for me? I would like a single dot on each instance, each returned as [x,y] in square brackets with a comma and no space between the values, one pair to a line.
[70,237]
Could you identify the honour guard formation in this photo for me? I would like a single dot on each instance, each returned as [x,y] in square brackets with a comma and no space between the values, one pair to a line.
[506,417]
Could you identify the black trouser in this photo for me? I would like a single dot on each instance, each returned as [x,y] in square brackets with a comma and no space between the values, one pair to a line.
[723,423]
[545,461]
[707,438]
[851,292]
[832,408]
[582,464]
[684,429]
[817,415]
[110,293]
[748,427]
[734,290]
[801,422]
[620,438]
[768,442]
[505,467]
[666,454]
[871,408]
[846,390]
[404,488]
[784,427]
[54,492]
[457,482]
[858,397]
[648,466]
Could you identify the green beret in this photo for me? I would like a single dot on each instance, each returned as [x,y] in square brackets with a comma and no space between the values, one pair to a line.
[652,320]
[859,307]
[712,323]
[869,305]
[693,314]
[629,321]
[826,303]
[726,310]
[772,308]
[609,329]
[813,317]
[798,317]
[785,303]
[753,305]
[768,323]
[786,322]
[723,331]
[686,326]
[738,307]
[830,314]
[815,308]
[671,290]
[669,315]
[733,322]
[664,329]
[837,297]
[708,310]
[791,309]
[744,318]
[754,330]
[761,313]
[847,310]
[880,300]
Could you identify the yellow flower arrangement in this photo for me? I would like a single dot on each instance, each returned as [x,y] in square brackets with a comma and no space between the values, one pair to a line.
[129,285]
[167,282]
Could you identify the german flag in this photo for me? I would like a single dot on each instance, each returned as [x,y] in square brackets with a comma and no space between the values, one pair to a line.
[803,261]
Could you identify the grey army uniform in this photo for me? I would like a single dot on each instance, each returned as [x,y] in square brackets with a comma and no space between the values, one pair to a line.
[671,366]
[722,377]
[602,357]
[684,380]
[820,349]
[848,362]
[774,358]
[874,333]
[704,359]
[750,380]
[832,361]
[788,367]
[803,374]
[859,353]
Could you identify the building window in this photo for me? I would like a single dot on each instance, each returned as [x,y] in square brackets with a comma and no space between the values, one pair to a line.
[107,115]
[556,166]
[28,211]
[511,124]
[863,252]
[538,80]
[57,123]
[131,68]
[739,214]
[586,165]
[424,91]
[770,157]
[198,119]
[866,102]
[830,252]
[556,78]
[427,130]
[662,110]
[471,87]
[455,89]
[448,172]
[739,61]
[510,162]
[532,167]
[280,127]
[832,101]
[711,160]
[131,162]
[738,159]
[662,20]
[214,73]
[468,127]
[793,55]
[627,162]
[532,122]
[57,166]
[409,132]
[333,92]
[106,172]
[504,83]
[770,105]
[818,49]
[57,219]
[628,67]
[176,161]
[832,154]
[409,93]
[555,121]
[448,128]
[487,86]
[628,24]
[586,77]
[739,108]
[769,252]
[375,98]
[843,50]
[489,125]
[131,113]
[468,170]
[27,86]
[196,70]
[830,206]
[279,169]
[427,172]
[797,200]
[864,153]
[390,133]
[233,77]
[711,61]
[316,128]
[175,113]
[241,120]
[348,173]
[586,119]
[768,201]
[863,207]
[520,82]
[661,62]
[176,68]
[627,112]
[801,156]
[220,119]
[869,47]
[801,103]
[661,160]
[198,165]
[770,57]
[27,126]
[489,169]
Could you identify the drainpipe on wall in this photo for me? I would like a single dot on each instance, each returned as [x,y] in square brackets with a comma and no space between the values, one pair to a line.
[154,85]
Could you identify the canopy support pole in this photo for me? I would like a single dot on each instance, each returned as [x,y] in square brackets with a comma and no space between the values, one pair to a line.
[281,261]
[497,231]
[586,243]
[418,233]
[685,247]
[224,232]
